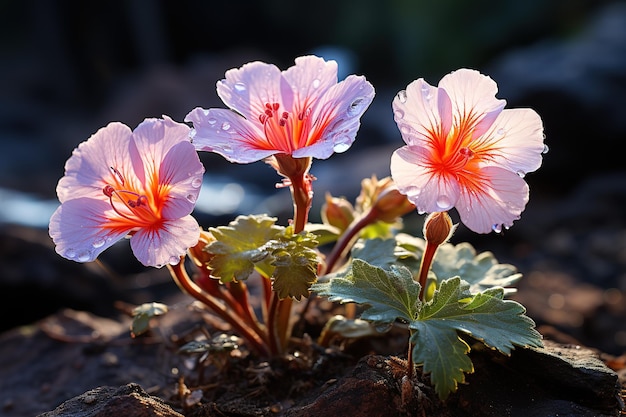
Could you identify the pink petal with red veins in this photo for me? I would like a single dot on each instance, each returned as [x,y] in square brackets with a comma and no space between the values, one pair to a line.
[340,110]
[247,89]
[225,132]
[430,192]
[88,170]
[500,204]
[182,171]
[165,244]
[76,227]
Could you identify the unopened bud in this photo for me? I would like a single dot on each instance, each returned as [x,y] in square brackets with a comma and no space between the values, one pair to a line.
[438,228]
[392,204]
[337,212]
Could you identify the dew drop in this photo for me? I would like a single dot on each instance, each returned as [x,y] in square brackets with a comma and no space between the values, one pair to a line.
[356,107]
[70,253]
[83,257]
[212,121]
[443,202]
[196,182]
[405,129]
[98,243]
[316,83]
[174,260]
[341,147]
[398,114]
[191,198]
[240,87]
[225,126]
[521,173]
[401,96]
[421,211]
[497,228]
[545,149]
[412,191]
[500,132]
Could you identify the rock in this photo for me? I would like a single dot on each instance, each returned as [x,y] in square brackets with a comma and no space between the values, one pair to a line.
[127,400]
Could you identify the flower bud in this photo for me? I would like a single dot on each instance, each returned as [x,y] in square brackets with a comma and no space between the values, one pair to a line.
[438,228]
[391,204]
[337,212]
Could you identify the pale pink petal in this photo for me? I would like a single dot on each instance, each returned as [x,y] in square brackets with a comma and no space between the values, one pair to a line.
[416,111]
[429,191]
[88,170]
[247,89]
[165,245]
[181,170]
[76,227]
[471,92]
[310,78]
[341,107]
[515,141]
[228,134]
[499,206]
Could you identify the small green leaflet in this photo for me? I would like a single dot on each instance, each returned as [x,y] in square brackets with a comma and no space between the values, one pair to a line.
[241,245]
[296,264]
[390,294]
[143,314]
[486,316]
[255,242]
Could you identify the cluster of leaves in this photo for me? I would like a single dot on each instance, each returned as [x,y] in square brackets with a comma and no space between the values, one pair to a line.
[381,277]
[255,242]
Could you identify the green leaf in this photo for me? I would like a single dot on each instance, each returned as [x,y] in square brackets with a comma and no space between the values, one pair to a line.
[296,264]
[241,245]
[481,271]
[325,233]
[389,294]
[498,323]
[143,314]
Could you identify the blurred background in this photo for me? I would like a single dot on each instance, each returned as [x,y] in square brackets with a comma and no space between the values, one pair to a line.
[68,68]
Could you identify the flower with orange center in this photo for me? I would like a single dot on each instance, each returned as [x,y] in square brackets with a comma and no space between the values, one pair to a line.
[302,112]
[464,150]
[143,183]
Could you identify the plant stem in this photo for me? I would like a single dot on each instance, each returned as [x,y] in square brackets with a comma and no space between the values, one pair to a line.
[183,280]
[427,260]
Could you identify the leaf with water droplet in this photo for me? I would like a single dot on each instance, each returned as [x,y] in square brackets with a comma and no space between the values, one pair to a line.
[143,314]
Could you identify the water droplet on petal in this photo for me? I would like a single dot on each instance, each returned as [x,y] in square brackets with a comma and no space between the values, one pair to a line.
[196,182]
[174,260]
[405,129]
[421,211]
[412,191]
[316,83]
[521,173]
[443,202]
[497,228]
[545,149]
[98,243]
[83,257]
[212,121]
[500,132]
[240,87]
[191,198]
[70,253]
[356,107]
[341,147]
[398,114]
[401,96]
[225,126]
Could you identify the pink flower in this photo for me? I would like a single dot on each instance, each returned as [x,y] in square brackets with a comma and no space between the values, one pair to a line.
[302,112]
[142,183]
[465,151]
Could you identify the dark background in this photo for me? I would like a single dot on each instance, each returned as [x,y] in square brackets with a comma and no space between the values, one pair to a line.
[68,68]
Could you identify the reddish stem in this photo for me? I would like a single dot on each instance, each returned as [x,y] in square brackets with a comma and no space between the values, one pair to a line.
[427,260]
[183,280]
